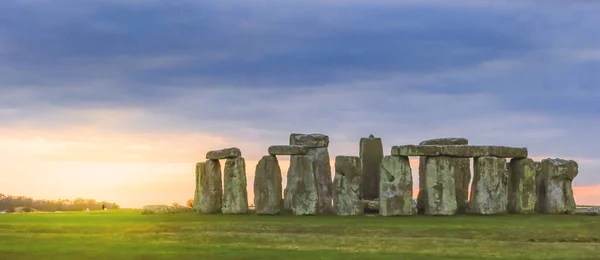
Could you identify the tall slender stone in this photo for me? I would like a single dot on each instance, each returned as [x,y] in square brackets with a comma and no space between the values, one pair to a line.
[556,195]
[209,188]
[371,154]
[267,186]
[489,193]
[235,194]
[396,187]
[522,188]
[462,171]
[316,145]
[301,195]
[348,182]
[438,189]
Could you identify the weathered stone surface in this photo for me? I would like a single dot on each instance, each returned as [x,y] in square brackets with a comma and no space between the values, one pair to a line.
[371,205]
[287,150]
[226,153]
[164,209]
[309,140]
[522,186]
[466,151]
[209,190]
[438,192]
[235,194]
[267,186]
[556,195]
[348,182]
[371,154]
[301,194]
[489,193]
[446,141]
[396,187]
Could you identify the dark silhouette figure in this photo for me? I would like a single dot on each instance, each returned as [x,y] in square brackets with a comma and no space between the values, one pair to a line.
[103,206]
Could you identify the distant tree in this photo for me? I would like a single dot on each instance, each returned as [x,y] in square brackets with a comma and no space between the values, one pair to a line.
[175,204]
[190,203]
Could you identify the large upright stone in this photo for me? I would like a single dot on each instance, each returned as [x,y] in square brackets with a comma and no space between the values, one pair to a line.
[462,174]
[317,149]
[489,193]
[371,154]
[395,187]
[301,194]
[267,186]
[438,189]
[235,194]
[226,153]
[556,195]
[348,182]
[209,190]
[522,187]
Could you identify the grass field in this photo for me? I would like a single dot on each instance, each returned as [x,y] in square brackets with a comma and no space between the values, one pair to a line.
[127,234]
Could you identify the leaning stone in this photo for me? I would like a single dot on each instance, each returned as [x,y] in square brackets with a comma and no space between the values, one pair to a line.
[522,186]
[301,194]
[209,190]
[396,187]
[460,151]
[371,154]
[348,182]
[438,190]
[309,140]
[267,186]
[445,141]
[235,194]
[164,209]
[557,192]
[227,153]
[287,150]
[489,192]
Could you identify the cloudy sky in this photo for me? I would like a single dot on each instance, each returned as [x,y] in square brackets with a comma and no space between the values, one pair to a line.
[117,99]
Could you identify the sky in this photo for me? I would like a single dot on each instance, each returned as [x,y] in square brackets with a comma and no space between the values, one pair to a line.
[117,100]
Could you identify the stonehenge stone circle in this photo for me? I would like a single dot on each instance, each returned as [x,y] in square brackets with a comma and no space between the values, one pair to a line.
[316,145]
[489,192]
[227,153]
[267,186]
[371,154]
[395,194]
[287,150]
[348,184]
[460,151]
[235,195]
[462,171]
[439,192]
[556,196]
[301,192]
[209,190]
[522,186]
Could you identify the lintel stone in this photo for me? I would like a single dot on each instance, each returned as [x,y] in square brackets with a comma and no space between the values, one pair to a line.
[226,153]
[460,151]
[287,150]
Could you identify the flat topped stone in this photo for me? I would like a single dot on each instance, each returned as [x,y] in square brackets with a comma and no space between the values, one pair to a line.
[309,140]
[460,151]
[287,150]
[446,141]
[226,153]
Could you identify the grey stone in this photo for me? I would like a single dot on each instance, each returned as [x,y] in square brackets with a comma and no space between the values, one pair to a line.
[522,187]
[437,191]
[466,151]
[301,194]
[164,209]
[235,194]
[556,192]
[267,186]
[209,190]
[396,193]
[371,205]
[309,140]
[227,153]
[489,192]
[371,154]
[287,150]
[348,183]
[446,141]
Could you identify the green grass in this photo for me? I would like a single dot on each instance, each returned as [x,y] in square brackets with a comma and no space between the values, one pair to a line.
[127,234]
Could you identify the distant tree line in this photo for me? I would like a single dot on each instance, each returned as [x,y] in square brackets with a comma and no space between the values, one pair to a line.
[10,203]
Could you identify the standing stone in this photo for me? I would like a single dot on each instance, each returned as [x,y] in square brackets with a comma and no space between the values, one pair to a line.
[301,193]
[348,182]
[209,188]
[267,186]
[317,149]
[235,194]
[438,189]
[557,192]
[489,193]
[396,187]
[462,171]
[371,154]
[522,187]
